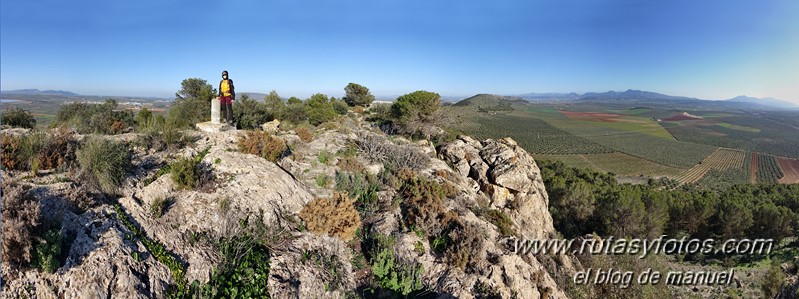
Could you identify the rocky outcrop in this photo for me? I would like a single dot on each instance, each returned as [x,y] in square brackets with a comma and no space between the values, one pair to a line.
[495,175]
[508,176]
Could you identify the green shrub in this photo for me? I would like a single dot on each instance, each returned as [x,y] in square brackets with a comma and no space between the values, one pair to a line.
[324,157]
[143,117]
[320,109]
[295,112]
[416,104]
[773,280]
[322,180]
[361,187]
[340,107]
[250,114]
[391,274]
[103,163]
[48,251]
[158,206]
[185,173]
[17,117]
[502,222]
[95,118]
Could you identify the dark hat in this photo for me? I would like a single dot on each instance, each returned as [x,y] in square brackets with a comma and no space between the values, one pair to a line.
[224,72]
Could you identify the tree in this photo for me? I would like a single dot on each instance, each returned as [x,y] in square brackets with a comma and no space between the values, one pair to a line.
[294,100]
[320,109]
[274,104]
[417,114]
[17,117]
[192,103]
[417,104]
[195,88]
[358,95]
[295,112]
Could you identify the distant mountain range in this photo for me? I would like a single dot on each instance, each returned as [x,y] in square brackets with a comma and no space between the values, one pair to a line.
[42,92]
[772,102]
[640,96]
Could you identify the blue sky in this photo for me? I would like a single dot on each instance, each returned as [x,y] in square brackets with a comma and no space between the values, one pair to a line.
[709,49]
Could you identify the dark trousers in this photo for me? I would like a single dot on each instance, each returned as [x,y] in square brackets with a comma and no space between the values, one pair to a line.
[226,107]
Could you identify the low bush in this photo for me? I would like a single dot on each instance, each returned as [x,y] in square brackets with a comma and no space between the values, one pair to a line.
[250,114]
[467,247]
[305,134]
[21,211]
[322,180]
[190,173]
[185,173]
[362,188]
[48,250]
[38,151]
[103,163]
[95,118]
[422,203]
[380,150]
[324,157]
[160,133]
[502,222]
[263,144]
[17,117]
[772,281]
[158,206]
[350,164]
[392,274]
[334,216]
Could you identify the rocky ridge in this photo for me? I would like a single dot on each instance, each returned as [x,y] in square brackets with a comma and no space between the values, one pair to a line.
[103,259]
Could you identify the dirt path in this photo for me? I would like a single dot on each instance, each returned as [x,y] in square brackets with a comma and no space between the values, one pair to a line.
[755,162]
[790,169]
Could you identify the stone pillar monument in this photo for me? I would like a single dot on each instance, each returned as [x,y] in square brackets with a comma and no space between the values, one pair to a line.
[215,111]
[215,125]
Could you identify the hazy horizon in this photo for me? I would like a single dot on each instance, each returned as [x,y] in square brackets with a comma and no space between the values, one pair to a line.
[711,50]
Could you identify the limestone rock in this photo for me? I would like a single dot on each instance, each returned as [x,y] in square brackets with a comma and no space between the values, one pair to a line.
[271,127]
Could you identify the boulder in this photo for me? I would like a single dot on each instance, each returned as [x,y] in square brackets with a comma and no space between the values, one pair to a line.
[271,127]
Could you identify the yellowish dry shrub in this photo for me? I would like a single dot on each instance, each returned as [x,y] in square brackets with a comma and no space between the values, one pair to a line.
[334,216]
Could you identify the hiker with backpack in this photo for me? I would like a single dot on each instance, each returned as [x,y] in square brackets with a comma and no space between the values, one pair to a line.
[227,93]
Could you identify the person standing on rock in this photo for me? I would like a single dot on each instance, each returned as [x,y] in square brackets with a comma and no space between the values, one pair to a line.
[227,93]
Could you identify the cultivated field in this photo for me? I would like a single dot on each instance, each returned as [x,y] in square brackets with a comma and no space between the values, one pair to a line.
[617,163]
[790,169]
[768,171]
[722,159]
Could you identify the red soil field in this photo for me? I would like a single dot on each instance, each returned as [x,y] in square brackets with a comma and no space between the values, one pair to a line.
[790,168]
[755,162]
[592,116]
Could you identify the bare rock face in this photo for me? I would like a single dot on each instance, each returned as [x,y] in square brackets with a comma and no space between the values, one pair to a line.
[509,177]
[244,185]
[101,261]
